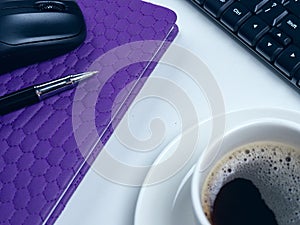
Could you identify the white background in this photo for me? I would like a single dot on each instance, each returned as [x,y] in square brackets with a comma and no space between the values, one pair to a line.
[244,81]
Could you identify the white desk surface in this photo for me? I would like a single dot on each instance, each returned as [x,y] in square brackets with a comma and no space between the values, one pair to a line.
[244,81]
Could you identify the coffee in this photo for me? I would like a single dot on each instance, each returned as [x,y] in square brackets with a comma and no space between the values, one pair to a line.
[234,202]
[263,177]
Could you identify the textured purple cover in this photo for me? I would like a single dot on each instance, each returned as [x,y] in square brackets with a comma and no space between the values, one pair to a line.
[39,156]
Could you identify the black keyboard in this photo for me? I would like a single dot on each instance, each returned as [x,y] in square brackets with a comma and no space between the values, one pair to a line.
[270,29]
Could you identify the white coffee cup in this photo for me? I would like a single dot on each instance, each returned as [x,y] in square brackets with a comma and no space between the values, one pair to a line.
[267,130]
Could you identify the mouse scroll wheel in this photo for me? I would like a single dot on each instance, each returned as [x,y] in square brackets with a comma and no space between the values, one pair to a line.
[50,6]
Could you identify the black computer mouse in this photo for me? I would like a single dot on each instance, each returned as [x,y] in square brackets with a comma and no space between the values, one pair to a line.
[32,31]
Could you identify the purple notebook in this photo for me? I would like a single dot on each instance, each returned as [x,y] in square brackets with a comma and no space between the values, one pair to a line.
[40,161]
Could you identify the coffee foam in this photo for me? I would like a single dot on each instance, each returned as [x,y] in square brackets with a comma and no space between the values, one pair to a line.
[273,168]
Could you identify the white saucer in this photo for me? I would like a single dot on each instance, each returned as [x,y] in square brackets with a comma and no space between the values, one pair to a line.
[167,202]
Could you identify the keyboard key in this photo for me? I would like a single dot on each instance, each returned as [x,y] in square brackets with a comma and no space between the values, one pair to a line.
[272,12]
[291,26]
[289,60]
[253,29]
[199,2]
[253,5]
[280,36]
[269,48]
[217,7]
[297,77]
[294,7]
[235,15]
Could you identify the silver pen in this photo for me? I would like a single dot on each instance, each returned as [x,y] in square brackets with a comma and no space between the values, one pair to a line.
[34,94]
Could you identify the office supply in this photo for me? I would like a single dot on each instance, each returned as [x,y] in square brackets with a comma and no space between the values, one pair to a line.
[245,83]
[34,94]
[41,165]
[269,29]
[32,31]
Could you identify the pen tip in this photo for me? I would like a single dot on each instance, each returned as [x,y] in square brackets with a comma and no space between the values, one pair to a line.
[82,76]
[94,72]
[89,74]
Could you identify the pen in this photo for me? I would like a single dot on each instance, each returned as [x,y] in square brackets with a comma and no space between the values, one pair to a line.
[34,94]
